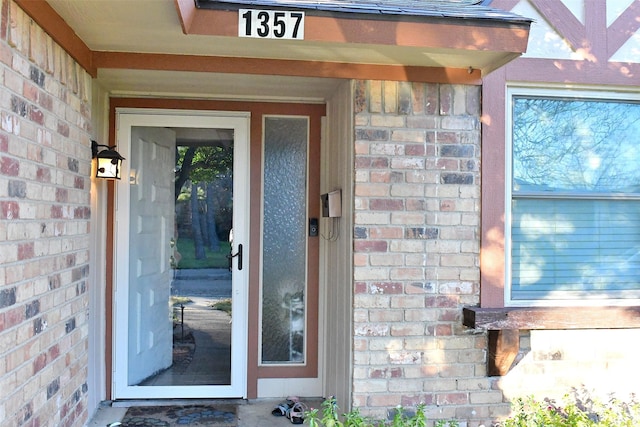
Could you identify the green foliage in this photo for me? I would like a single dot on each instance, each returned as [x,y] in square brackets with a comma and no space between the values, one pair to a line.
[178,300]
[208,162]
[577,410]
[213,259]
[401,418]
[223,305]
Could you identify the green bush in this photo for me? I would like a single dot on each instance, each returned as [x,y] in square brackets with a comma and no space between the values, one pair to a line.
[213,259]
[576,410]
[330,418]
[223,305]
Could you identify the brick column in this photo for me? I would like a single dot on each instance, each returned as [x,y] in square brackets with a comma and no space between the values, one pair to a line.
[416,250]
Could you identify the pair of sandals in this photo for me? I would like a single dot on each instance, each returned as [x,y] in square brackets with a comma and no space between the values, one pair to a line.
[292,408]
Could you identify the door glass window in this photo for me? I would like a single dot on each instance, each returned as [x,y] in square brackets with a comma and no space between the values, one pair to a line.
[180,281]
[284,244]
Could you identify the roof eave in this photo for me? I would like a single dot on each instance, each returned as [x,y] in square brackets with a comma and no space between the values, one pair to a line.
[426,32]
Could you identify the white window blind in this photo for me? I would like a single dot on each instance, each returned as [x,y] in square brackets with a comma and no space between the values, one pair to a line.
[574,248]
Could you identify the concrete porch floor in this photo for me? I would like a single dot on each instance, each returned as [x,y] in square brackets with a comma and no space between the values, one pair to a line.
[250,413]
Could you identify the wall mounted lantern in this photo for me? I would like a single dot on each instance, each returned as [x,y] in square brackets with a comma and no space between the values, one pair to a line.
[109,161]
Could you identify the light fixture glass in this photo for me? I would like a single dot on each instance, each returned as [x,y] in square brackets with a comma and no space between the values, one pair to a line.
[109,161]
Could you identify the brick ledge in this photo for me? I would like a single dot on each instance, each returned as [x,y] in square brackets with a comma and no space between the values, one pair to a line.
[551,317]
[504,324]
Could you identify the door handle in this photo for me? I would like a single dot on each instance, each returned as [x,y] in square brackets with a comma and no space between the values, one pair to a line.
[237,254]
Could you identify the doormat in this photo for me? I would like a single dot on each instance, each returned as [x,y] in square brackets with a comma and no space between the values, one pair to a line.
[184,415]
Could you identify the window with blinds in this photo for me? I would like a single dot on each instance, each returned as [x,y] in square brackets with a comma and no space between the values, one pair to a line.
[575,196]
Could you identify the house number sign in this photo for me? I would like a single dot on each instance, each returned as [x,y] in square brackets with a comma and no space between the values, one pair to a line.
[271,24]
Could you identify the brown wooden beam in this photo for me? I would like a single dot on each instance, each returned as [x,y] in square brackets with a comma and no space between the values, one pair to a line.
[503,349]
[283,67]
[552,318]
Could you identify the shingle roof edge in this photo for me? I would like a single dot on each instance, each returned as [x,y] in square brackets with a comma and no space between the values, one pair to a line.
[446,9]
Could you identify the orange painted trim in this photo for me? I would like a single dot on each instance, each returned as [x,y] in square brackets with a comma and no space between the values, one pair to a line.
[47,18]
[256,66]
[573,72]
[219,105]
[257,110]
[492,240]
[186,11]
[435,33]
[109,302]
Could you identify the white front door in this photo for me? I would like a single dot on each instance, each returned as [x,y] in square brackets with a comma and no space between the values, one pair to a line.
[180,300]
[151,215]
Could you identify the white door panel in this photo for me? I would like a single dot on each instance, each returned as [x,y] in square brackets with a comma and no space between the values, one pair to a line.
[152,218]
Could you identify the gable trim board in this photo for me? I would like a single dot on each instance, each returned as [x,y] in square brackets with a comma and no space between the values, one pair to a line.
[476,47]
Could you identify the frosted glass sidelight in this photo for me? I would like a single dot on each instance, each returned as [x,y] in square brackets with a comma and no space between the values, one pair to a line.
[284,240]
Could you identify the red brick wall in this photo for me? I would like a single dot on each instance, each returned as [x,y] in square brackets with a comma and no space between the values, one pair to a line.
[45,161]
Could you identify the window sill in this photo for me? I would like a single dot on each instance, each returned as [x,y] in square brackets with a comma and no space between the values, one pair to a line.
[504,324]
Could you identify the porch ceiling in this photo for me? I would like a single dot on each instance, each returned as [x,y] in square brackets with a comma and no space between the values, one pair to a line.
[125,82]
[159,26]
